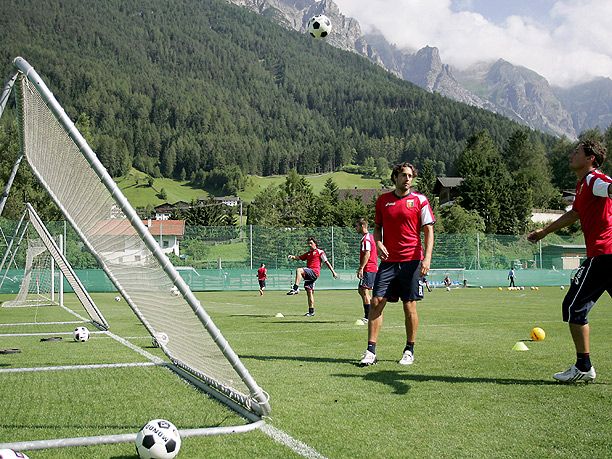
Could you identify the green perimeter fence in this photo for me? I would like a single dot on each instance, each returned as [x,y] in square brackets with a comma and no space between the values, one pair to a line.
[226,258]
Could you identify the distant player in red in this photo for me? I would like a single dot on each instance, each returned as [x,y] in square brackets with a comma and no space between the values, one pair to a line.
[262,275]
[310,273]
[593,207]
[401,215]
[368,265]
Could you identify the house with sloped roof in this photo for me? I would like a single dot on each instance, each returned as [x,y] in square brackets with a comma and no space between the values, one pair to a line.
[447,189]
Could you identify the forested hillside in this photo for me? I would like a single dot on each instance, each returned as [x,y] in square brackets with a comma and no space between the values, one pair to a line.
[183,87]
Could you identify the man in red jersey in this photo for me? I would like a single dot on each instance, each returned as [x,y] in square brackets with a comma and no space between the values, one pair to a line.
[401,215]
[310,273]
[368,265]
[262,275]
[593,206]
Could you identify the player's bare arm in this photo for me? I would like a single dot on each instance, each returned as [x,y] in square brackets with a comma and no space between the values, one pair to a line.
[365,256]
[382,250]
[564,220]
[428,240]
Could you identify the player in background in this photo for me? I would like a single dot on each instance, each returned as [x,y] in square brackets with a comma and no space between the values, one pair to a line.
[511,277]
[368,265]
[262,275]
[401,215]
[593,207]
[310,273]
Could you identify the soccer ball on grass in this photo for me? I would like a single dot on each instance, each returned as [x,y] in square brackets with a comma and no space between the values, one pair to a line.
[81,334]
[158,439]
[537,334]
[10,454]
[319,26]
[117,298]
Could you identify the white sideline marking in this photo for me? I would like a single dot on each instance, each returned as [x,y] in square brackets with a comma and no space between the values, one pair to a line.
[296,446]
[77,367]
[44,334]
[43,323]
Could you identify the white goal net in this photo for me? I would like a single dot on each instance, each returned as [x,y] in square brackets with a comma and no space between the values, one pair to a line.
[37,286]
[446,277]
[111,230]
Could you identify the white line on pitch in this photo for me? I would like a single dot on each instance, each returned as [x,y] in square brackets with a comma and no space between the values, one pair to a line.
[296,446]
[43,334]
[43,323]
[77,367]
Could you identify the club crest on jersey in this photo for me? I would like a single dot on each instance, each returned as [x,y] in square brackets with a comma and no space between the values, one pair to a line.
[410,203]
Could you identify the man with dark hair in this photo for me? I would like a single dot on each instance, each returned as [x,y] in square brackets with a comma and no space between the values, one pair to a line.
[368,265]
[593,207]
[310,273]
[401,215]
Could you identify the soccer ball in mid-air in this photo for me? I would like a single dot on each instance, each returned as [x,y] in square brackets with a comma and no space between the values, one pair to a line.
[319,26]
[10,454]
[81,334]
[158,439]
[537,334]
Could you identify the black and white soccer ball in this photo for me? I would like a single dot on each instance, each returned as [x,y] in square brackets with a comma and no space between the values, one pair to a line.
[158,439]
[10,454]
[319,26]
[117,298]
[81,334]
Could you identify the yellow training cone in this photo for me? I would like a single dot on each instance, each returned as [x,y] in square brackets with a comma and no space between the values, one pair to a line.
[520,346]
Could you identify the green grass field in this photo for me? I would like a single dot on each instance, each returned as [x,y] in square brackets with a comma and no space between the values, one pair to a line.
[136,189]
[468,393]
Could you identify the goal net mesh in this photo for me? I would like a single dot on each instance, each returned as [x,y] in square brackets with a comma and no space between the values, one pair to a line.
[37,285]
[92,210]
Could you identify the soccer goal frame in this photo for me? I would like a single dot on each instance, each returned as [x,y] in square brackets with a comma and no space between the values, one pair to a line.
[187,352]
[436,276]
[58,259]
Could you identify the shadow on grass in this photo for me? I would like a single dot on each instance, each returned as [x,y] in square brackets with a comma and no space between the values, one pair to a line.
[307,321]
[399,381]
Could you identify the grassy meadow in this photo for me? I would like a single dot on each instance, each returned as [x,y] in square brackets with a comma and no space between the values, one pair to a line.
[468,393]
[136,189]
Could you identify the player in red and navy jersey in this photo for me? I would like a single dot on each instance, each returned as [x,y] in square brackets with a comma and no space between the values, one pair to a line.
[401,215]
[593,207]
[310,273]
[368,265]
[262,275]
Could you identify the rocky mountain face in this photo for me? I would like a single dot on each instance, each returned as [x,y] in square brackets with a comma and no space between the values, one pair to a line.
[590,104]
[513,91]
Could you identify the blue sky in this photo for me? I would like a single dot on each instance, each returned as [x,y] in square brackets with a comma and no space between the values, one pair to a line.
[566,41]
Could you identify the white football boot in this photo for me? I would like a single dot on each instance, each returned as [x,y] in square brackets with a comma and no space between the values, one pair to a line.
[573,374]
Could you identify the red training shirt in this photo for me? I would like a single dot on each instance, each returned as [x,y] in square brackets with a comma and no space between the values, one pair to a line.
[367,243]
[401,220]
[262,273]
[313,259]
[595,210]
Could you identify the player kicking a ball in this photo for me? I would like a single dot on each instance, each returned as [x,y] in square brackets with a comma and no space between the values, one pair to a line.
[310,273]
[401,215]
[593,207]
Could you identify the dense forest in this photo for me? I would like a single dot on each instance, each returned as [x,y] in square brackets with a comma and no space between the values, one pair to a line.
[209,92]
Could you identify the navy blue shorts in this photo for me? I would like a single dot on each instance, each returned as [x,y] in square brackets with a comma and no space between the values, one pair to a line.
[367,281]
[590,281]
[399,280]
[262,284]
[310,277]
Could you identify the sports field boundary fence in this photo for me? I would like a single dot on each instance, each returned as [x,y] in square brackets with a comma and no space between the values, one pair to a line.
[226,258]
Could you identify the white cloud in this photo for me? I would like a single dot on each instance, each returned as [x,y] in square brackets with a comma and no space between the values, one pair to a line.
[572,44]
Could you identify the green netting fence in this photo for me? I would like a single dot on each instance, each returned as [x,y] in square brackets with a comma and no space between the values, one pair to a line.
[226,258]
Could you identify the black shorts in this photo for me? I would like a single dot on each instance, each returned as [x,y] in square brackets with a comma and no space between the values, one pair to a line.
[399,280]
[310,277]
[367,281]
[262,284]
[588,284]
